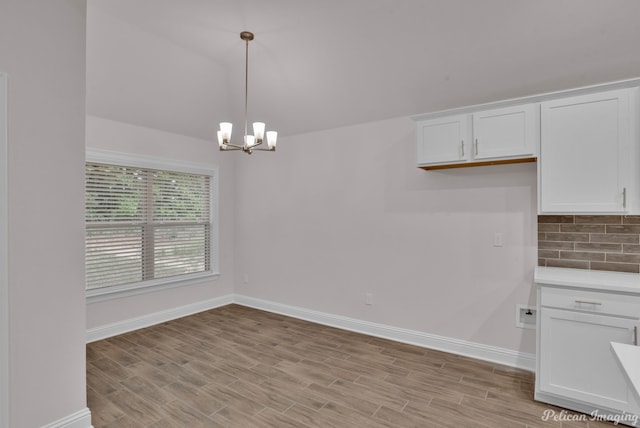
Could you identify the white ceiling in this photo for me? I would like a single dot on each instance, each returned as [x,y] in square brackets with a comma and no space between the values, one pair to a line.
[318,64]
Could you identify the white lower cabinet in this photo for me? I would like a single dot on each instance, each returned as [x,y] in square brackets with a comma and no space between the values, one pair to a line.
[577,361]
[576,367]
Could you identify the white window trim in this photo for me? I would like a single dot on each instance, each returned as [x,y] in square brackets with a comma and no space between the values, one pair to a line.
[149,162]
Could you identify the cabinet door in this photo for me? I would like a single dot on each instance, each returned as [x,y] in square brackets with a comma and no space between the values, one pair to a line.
[506,132]
[444,140]
[576,359]
[585,153]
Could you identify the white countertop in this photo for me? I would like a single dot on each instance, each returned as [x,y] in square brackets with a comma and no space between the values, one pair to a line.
[629,359]
[622,282]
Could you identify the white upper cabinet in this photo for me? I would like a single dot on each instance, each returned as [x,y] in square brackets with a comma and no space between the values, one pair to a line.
[505,132]
[588,153]
[444,140]
[586,141]
[479,138]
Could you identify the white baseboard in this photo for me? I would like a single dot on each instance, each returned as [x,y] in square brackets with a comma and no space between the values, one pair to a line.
[493,354]
[110,330]
[480,351]
[80,419]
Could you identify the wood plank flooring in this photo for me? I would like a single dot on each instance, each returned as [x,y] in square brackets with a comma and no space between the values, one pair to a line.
[239,367]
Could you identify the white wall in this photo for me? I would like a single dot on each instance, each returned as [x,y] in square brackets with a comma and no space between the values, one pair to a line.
[136,84]
[42,49]
[136,77]
[121,137]
[336,214]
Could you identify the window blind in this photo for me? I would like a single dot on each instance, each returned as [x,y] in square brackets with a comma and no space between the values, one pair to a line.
[145,224]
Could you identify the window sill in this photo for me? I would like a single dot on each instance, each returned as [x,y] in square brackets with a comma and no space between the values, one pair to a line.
[118,292]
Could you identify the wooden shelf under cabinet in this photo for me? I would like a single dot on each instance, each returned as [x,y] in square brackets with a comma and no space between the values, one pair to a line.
[480,163]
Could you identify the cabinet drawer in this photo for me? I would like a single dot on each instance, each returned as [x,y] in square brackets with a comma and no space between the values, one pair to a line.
[590,301]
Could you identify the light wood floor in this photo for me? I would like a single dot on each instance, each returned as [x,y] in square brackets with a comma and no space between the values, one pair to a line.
[240,367]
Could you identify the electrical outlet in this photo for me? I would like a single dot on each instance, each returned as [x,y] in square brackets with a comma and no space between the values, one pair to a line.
[368,299]
[245,278]
[498,239]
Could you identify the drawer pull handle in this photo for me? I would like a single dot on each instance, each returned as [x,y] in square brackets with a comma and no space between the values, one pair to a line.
[635,335]
[585,302]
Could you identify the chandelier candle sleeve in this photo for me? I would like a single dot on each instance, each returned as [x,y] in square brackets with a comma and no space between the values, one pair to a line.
[258,130]
[272,136]
[251,142]
[224,134]
[225,128]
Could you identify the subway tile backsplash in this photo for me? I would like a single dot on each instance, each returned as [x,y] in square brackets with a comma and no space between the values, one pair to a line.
[598,242]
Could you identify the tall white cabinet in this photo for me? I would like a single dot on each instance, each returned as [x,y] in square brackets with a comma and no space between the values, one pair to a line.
[587,153]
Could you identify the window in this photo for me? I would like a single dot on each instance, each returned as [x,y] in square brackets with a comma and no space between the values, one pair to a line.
[146,226]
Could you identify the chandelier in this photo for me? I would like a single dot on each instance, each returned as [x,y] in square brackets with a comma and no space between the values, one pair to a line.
[251,142]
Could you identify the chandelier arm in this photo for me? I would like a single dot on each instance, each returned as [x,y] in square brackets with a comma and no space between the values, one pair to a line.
[229,146]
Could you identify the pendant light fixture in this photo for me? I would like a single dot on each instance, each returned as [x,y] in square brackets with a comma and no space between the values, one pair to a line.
[251,142]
